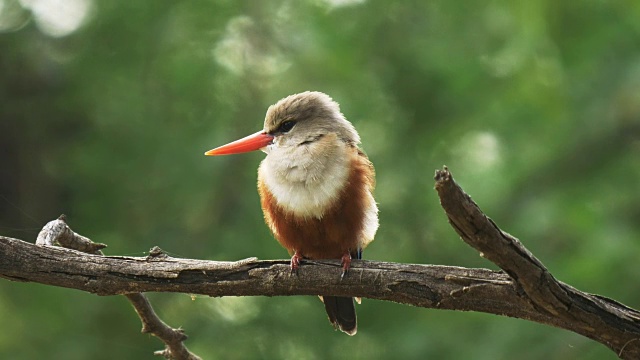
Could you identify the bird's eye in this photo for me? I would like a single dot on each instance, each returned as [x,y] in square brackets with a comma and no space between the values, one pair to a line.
[286,126]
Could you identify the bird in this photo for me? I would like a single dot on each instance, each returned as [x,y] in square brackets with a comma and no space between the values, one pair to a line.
[316,187]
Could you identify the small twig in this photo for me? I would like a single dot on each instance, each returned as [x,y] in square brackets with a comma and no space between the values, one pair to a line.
[152,324]
[57,232]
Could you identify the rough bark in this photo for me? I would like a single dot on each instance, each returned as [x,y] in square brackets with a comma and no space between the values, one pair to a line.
[524,290]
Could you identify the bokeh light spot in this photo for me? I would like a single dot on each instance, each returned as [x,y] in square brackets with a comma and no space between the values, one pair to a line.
[58,18]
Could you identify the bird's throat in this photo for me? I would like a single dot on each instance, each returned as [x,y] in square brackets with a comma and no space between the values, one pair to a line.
[303,183]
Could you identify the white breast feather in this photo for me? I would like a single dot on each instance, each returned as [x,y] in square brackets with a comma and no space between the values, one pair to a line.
[305,185]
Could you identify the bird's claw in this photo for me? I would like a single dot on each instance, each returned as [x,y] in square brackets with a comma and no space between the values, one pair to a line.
[346,264]
[295,263]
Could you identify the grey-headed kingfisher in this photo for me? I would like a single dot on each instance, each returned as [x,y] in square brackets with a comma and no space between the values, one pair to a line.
[315,186]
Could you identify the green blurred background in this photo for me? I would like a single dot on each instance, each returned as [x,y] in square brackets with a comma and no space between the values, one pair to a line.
[106,108]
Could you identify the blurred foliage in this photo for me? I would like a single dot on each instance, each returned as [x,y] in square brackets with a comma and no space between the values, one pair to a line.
[106,108]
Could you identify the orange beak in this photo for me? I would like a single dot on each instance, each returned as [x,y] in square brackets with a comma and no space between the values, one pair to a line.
[252,142]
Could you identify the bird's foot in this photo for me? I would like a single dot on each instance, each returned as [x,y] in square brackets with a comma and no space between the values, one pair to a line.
[295,262]
[346,264]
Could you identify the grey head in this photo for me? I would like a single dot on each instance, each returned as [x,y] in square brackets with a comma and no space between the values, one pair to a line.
[304,118]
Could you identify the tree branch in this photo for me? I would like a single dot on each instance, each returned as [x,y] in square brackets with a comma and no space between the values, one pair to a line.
[525,290]
[593,316]
[57,232]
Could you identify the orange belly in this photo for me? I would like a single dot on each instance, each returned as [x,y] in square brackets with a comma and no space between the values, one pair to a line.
[340,230]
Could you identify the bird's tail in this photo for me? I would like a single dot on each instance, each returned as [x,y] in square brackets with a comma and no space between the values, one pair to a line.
[342,313]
